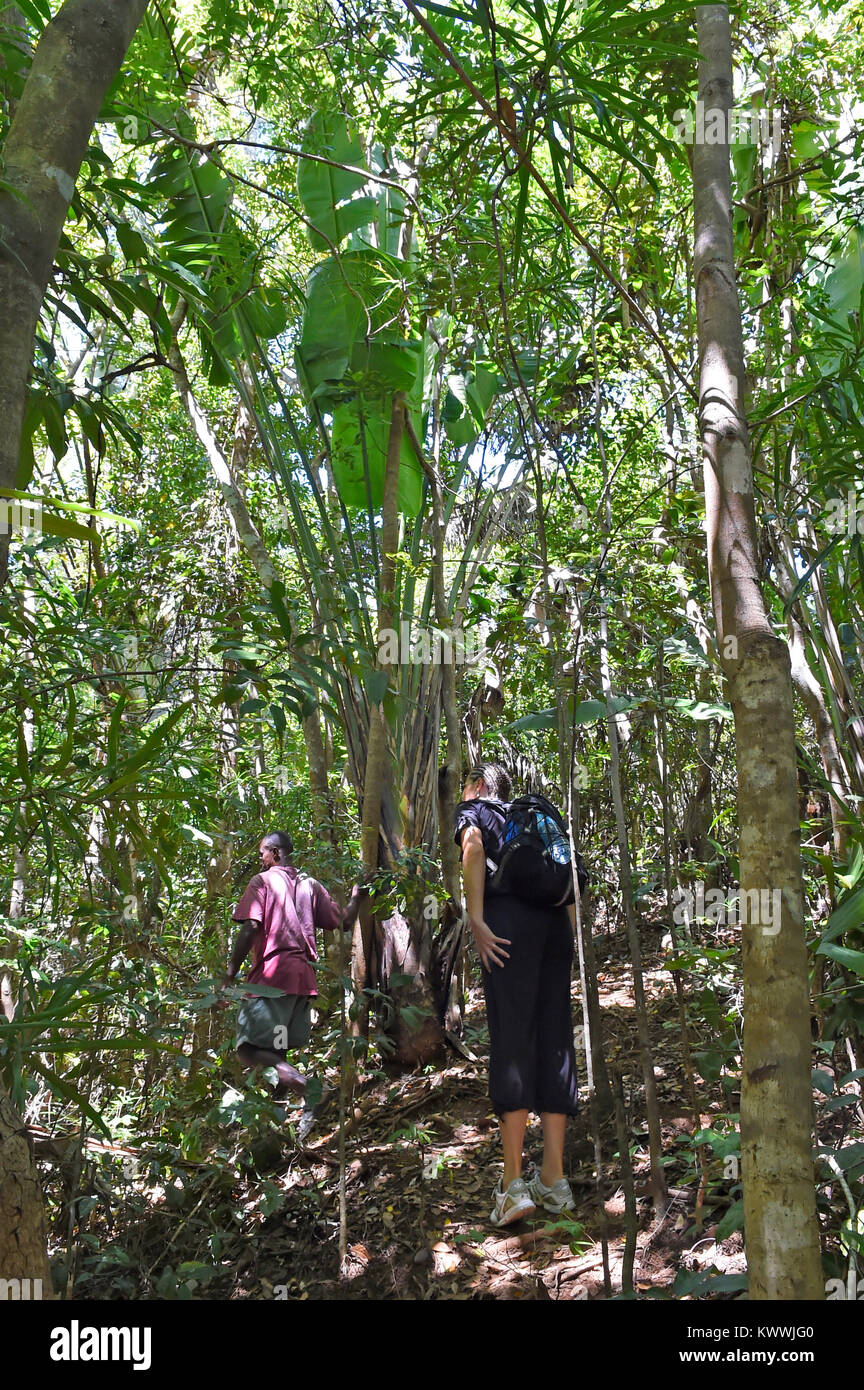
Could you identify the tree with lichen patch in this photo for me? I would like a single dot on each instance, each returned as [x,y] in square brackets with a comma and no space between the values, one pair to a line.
[782,1234]
[77,58]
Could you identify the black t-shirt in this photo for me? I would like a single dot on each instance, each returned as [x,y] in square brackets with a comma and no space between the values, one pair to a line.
[489,816]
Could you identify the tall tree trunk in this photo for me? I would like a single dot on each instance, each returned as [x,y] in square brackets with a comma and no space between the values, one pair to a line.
[21,860]
[652,1109]
[248,536]
[781,1230]
[619,730]
[376,749]
[449,785]
[23,1247]
[400,946]
[450,939]
[378,772]
[17,902]
[76,60]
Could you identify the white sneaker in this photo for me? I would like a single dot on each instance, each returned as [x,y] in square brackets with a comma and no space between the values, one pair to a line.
[513,1204]
[555,1199]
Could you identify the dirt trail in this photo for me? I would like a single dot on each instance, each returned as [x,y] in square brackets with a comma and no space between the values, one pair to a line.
[419,1207]
[422,1162]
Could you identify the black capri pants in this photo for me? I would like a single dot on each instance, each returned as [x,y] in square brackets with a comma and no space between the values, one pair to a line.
[531,1060]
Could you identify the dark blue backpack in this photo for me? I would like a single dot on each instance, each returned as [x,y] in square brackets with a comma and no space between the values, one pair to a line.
[535,861]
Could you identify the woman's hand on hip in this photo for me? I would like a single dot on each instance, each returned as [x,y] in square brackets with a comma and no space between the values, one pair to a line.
[490,947]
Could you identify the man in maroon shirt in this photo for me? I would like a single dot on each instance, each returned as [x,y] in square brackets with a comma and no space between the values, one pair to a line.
[279,912]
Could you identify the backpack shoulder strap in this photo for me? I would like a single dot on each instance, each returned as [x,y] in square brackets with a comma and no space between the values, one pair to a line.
[503,808]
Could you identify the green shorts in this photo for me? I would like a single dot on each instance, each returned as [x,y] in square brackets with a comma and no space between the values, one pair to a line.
[276,1023]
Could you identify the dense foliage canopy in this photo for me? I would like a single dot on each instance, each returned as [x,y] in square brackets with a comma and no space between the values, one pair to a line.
[371,317]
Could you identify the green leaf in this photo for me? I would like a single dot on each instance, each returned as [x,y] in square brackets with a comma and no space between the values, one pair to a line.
[588,710]
[822,1081]
[391,210]
[327,192]
[852,1156]
[733,1220]
[145,754]
[265,312]
[43,500]
[852,960]
[67,1092]
[709,1064]
[399,980]
[376,686]
[844,918]
[856,867]
[841,1102]
[349,298]
[692,1283]
[385,365]
[805,578]
[37,11]
[702,709]
[544,719]
[68,530]
[132,243]
[201,1273]
[66,749]
[466,406]
[359,439]
[335,311]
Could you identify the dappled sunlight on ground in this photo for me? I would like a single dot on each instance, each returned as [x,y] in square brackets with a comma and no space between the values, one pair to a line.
[422,1158]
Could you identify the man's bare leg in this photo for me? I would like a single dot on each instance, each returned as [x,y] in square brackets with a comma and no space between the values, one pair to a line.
[291,1081]
[513,1124]
[553,1147]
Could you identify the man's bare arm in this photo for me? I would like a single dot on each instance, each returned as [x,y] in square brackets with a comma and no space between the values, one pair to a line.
[242,947]
[352,911]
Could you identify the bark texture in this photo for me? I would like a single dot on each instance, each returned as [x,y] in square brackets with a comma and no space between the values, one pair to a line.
[76,60]
[782,1238]
[781,1230]
[23,1251]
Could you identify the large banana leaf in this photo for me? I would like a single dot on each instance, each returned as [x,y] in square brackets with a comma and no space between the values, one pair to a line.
[327,192]
[352,303]
[359,447]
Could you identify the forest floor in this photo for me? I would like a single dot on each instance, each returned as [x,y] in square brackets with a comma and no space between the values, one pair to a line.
[422,1158]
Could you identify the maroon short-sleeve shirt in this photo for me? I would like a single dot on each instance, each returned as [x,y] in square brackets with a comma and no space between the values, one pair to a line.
[287,907]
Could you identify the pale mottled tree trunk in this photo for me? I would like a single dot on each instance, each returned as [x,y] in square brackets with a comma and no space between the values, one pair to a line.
[76,60]
[781,1230]
[23,1248]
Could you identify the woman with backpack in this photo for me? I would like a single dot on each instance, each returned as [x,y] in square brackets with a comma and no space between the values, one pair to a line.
[519,896]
